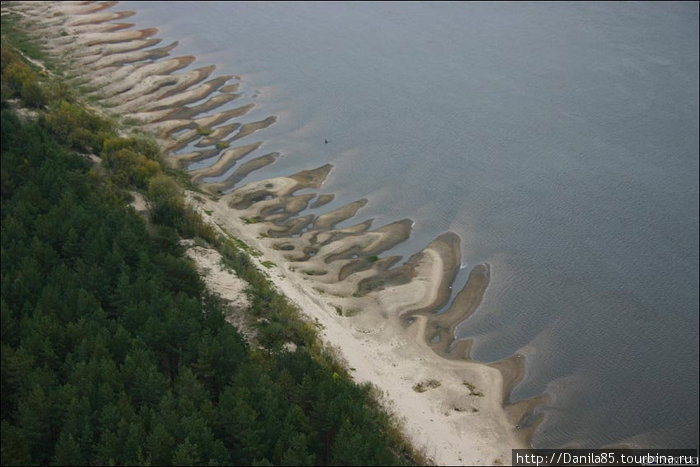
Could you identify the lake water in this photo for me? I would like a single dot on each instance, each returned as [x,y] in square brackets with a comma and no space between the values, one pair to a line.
[559,140]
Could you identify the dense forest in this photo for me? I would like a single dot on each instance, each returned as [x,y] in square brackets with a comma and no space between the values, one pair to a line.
[113,352]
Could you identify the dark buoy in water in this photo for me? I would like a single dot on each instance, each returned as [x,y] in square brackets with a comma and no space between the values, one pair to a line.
[326,141]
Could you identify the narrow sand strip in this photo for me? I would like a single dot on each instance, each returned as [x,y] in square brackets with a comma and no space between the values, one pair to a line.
[227,160]
[241,172]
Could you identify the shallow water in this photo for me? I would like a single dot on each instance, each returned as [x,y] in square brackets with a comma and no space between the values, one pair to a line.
[560,141]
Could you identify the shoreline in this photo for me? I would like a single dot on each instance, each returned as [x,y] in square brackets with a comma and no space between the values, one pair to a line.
[380,316]
[452,425]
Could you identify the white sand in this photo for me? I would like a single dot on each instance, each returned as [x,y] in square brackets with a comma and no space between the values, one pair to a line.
[453,427]
[224,283]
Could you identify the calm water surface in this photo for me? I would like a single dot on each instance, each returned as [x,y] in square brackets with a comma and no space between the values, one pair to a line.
[559,140]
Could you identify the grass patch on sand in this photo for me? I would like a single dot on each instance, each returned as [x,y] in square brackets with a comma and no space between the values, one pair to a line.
[204,131]
[472,389]
[251,220]
[426,385]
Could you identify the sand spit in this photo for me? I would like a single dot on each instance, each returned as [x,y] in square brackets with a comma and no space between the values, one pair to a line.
[123,59]
[192,95]
[218,134]
[241,172]
[322,200]
[227,160]
[440,329]
[96,52]
[98,18]
[250,128]
[378,311]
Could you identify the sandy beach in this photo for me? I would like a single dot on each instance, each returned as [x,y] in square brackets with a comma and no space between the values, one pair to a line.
[378,313]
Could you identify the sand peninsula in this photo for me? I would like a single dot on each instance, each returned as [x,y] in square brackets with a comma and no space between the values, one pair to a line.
[379,313]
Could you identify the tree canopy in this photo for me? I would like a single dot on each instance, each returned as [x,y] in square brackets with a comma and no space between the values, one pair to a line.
[112,350]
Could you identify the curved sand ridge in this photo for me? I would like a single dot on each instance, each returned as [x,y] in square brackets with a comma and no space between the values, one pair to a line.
[381,314]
